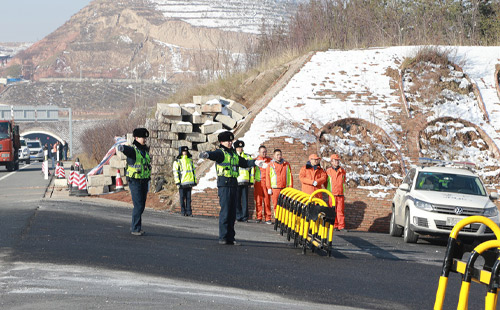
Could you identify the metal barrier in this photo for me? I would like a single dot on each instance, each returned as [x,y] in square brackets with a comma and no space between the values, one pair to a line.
[305,219]
[487,275]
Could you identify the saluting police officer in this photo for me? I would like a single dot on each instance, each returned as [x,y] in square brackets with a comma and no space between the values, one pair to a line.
[138,176]
[227,164]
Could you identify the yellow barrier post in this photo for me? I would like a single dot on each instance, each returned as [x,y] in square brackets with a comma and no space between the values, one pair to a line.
[463,300]
[448,259]
[490,302]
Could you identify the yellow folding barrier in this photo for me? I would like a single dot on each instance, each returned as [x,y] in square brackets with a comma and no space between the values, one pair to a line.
[305,219]
[452,263]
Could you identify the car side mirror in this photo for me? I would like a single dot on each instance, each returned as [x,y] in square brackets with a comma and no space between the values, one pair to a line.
[404,187]
[494,195]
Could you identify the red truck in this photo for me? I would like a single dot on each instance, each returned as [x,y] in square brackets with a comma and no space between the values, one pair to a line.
[9,145]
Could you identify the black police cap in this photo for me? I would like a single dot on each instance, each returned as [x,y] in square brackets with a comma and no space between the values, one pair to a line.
[184,148]
[141,133]
[239,143]
[225,136]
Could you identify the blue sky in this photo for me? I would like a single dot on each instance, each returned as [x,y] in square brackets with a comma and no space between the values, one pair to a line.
[32,20]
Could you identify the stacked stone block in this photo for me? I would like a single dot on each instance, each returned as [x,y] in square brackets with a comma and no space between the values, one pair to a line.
[106,182]
[195,125]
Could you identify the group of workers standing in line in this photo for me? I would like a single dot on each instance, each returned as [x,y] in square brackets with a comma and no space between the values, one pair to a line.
[236,172]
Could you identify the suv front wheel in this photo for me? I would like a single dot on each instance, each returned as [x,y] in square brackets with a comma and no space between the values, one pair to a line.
[394,229]
[409,235]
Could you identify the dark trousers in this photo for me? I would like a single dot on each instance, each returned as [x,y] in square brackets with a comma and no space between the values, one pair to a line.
[242,206]
[228,196]
[185,197]
[139,192]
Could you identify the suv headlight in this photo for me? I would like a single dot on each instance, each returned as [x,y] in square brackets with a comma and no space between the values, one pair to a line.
[489,212]
[424,205]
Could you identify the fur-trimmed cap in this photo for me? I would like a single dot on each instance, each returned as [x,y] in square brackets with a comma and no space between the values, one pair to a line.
[225,136]
[141,133]
[238,143]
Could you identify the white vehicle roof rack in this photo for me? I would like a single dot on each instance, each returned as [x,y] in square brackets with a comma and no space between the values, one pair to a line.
[429,162]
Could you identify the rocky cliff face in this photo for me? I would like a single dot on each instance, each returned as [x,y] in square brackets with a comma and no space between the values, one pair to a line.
[152,39]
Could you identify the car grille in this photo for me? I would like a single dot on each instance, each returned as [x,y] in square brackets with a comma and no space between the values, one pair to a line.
[470,228]
[33,152]
[422,222]
[451,210]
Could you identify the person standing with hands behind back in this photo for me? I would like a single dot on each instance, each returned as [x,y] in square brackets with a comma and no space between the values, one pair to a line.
[312,176]
[185,179]
[278,176]
[337,185]
[138,175]
[261,193]
[245,180]
[227,166]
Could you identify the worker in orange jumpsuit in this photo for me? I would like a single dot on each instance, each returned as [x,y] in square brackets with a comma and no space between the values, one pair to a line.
[337,185]
[278,176]
[312,176]
[262,198]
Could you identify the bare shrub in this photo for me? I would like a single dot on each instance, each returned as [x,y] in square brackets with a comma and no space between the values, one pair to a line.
[99,139]
[432,54]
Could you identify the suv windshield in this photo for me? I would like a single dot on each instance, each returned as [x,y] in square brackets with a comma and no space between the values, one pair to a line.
[451,183]
[34,145]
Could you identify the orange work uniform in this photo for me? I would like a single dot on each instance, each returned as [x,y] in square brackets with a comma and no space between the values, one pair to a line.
[262,198]
[337,185]
[309,174]
[278,176]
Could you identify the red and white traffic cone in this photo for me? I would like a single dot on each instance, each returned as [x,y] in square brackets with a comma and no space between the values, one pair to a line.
[70,178]
[82,186]
[58,171]
[119,182]
[77,164]
[74,182]
[62,172]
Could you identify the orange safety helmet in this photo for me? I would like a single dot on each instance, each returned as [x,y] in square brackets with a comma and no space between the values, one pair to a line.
[335,156]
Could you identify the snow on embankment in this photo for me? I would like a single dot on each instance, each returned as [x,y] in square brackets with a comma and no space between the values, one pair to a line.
[337,85]
[333,85]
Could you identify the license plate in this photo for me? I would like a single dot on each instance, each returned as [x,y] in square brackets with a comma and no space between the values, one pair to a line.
[452,221]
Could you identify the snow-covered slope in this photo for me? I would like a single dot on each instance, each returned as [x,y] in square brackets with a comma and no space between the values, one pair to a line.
[231,15]
[336,85]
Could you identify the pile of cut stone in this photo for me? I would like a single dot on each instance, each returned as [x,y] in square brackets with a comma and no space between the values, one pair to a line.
[195,125]
[106,182]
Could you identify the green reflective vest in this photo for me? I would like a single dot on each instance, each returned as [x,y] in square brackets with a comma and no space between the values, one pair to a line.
[184,173]
[141,169]
[246,174]
[229,168]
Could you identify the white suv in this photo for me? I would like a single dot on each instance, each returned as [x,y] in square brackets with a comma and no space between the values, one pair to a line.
[24,152]
[431,200]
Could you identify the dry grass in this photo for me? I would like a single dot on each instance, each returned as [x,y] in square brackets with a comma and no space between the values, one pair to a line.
[432,54]
[85,160]
[427,68]
[245,87]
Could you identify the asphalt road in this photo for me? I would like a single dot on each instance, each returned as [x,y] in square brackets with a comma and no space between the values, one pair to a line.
[79,254]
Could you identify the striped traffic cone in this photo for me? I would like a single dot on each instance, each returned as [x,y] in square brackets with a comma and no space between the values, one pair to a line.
[62,172]
[119,182]
[70,178]
[82,185]
[74,182]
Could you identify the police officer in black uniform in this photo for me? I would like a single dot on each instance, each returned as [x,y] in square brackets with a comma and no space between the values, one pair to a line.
[138,176]
[227,164]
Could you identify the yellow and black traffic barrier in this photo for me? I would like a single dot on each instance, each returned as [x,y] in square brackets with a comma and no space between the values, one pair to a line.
[306,219]
[453,263]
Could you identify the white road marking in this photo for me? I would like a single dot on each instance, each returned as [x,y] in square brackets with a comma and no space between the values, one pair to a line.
[9,174]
